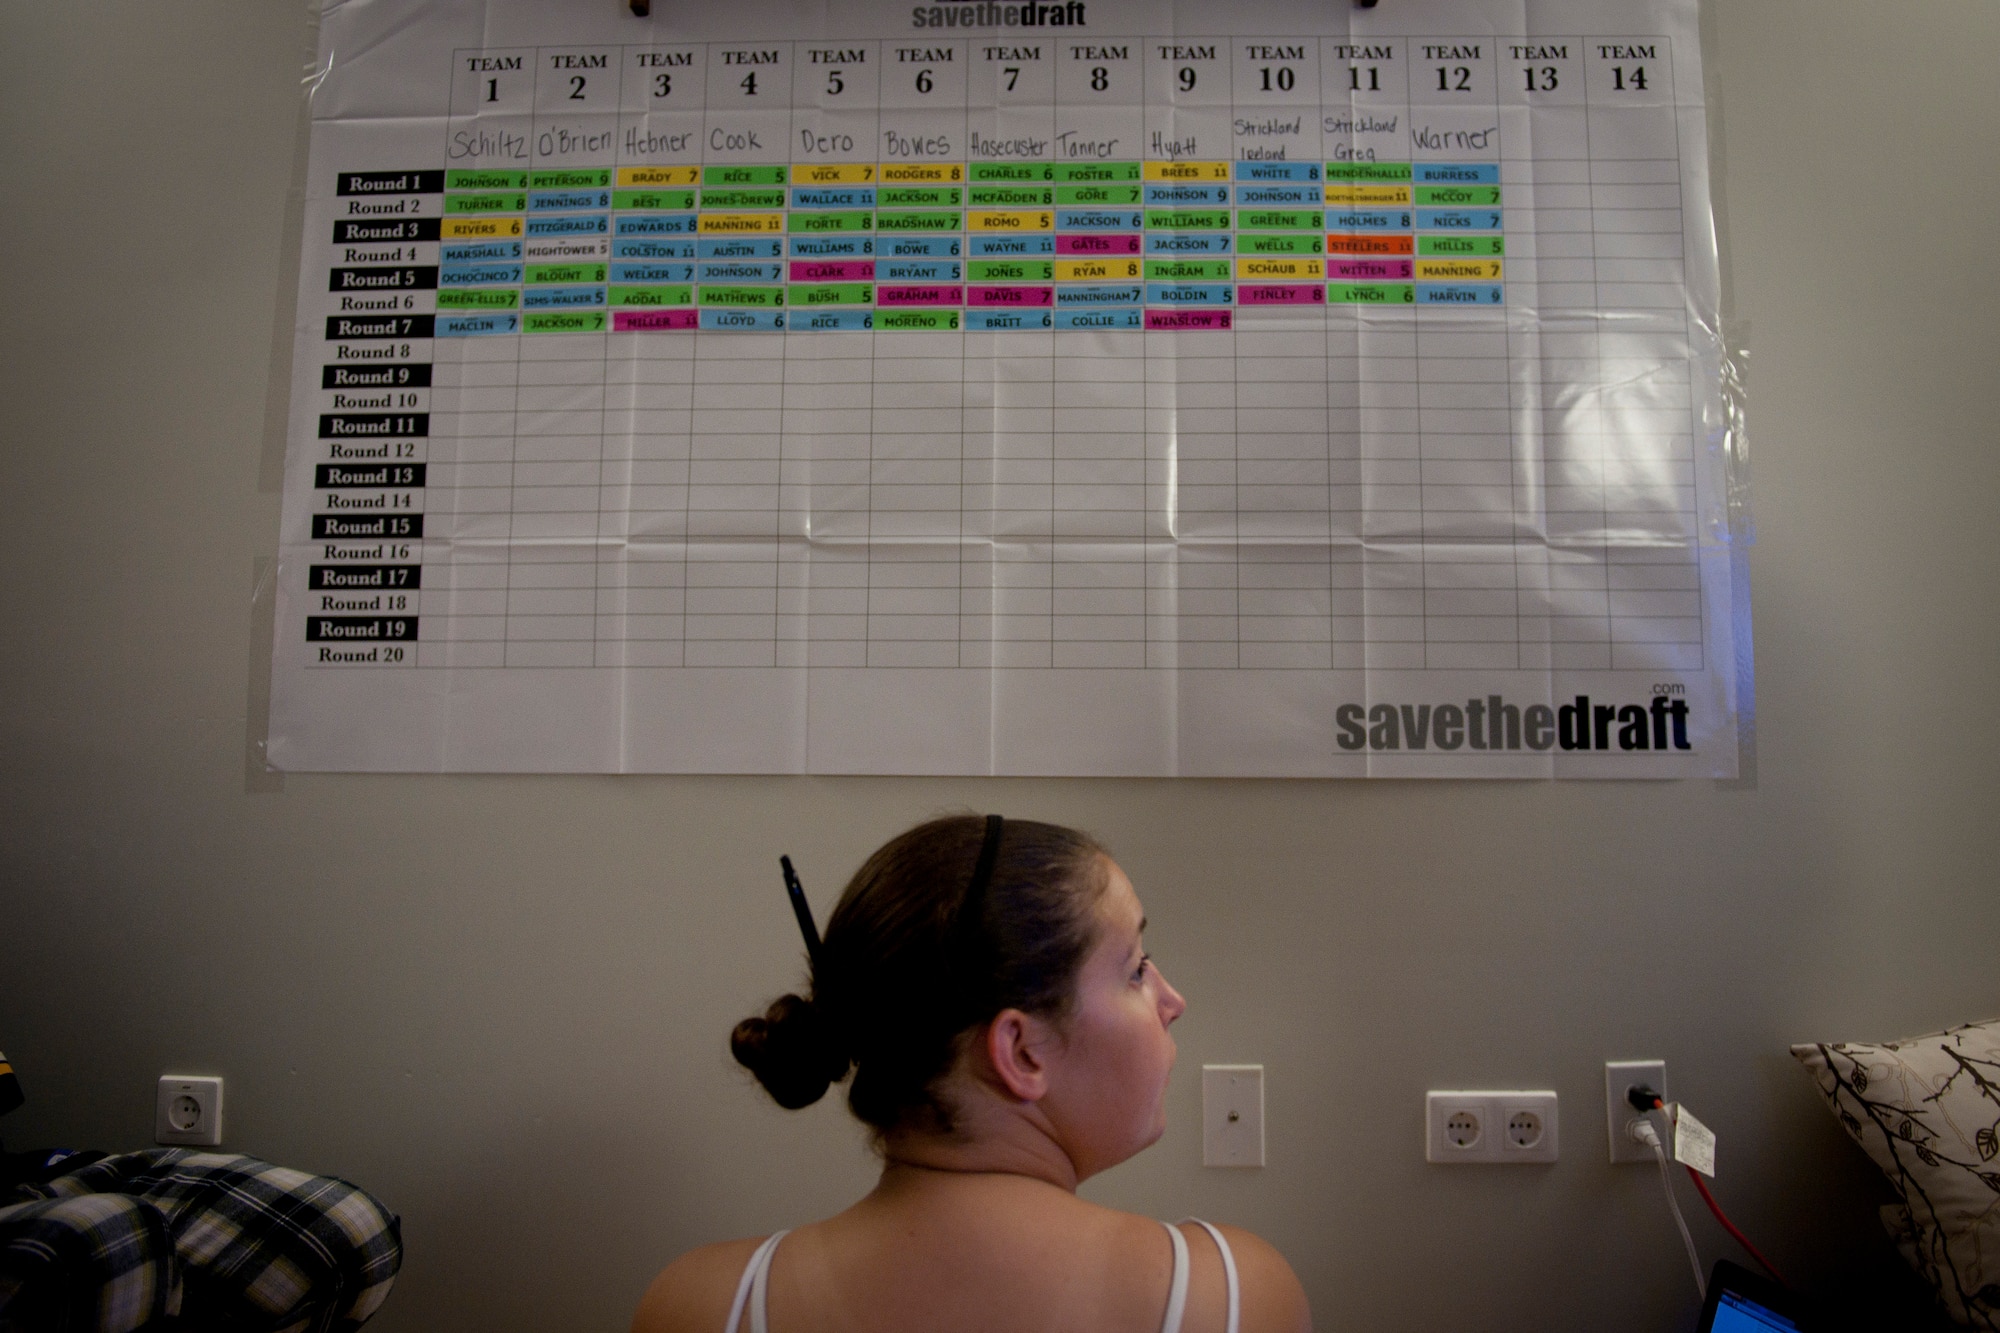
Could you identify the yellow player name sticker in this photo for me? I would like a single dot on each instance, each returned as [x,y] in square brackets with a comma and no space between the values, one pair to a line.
[829,173]
[1097,270]
[923,171]
[460,229]
[659,175]
[1268,268]
[740,223]
[1010,219]
[1459,270]
[1367,194]
[1187,171]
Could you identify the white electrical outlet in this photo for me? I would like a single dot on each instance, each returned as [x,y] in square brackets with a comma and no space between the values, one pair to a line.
[189,1111]
[1528,1127]
[1232,1115]
[1620,1076]
[1456,1126]
[1502,1127]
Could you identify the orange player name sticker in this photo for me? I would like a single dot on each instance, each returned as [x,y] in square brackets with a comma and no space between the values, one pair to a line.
[1370,245]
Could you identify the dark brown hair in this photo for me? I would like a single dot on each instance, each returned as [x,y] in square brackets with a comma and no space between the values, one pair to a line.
[901,977]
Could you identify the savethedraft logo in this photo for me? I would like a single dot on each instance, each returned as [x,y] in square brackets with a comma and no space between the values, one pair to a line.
[1494,724]
[993,14]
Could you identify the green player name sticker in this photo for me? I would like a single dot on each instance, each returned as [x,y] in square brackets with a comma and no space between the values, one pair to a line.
[1371,293]
[1368,172]
[1251,243]
[477,298]
[917,320]
[470,179]
[833,293]
[652,296]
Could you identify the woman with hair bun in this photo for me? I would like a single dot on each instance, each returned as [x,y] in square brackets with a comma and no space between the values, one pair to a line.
[983,988]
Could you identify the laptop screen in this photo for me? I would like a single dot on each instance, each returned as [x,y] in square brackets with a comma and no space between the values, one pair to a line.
[1737,1313]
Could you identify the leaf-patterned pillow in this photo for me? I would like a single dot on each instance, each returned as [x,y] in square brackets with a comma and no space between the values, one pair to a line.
[1927,1111]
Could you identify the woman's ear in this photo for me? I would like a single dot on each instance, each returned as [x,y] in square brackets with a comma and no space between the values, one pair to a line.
[1018,1048]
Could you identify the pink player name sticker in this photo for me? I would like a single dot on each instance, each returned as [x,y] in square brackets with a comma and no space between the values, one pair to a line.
[1281,293]
[929,294]
[1369,270]
[1188,319]
[827,270]
[1097,245]
[1010,296]
[639,321]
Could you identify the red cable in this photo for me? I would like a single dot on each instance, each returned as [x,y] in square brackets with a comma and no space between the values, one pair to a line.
[1730,1227]
[1723,1218]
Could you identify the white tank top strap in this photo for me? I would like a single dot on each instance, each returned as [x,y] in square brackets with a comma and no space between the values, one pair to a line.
[753,1288]
[1177,1288]
[1229,1278]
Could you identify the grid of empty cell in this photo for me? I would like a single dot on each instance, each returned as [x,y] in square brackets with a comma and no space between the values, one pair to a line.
[642,517]
[1467,481]
[823,564]
[1098,501]
[914,506]
[1007,588]
[552,538]
[733,461]
[1372,381]
[1283,516]
[1191,427]
[467,502]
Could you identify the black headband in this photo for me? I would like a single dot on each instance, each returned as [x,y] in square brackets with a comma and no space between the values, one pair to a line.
[982,873]
[968,949]
[968,909]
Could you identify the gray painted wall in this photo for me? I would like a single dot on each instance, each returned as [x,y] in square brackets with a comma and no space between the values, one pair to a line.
[500,1002]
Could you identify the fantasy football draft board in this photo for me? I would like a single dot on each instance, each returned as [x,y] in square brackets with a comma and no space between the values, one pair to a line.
[1096,387]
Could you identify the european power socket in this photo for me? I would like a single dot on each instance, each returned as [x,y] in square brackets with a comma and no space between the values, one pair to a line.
[188,1110]
[1490,1127]
[1619,1114]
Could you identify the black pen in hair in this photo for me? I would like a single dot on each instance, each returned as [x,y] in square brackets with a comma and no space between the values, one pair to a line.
[797,893]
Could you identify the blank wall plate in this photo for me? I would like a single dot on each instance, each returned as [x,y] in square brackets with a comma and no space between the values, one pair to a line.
[1232,1115]
[1493,1128]
[189,1111]
[1620,1075]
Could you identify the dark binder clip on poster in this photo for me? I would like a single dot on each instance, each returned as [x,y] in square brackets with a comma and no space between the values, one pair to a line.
[642,7]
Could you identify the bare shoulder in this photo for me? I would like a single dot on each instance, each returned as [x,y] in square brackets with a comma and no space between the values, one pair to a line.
[692,1294]
[1273,1300]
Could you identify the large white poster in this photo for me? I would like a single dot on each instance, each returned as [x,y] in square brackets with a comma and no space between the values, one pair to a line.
[1096,387]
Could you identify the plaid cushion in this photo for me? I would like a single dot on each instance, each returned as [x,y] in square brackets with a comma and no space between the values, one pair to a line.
[98,1264]
[254,1246]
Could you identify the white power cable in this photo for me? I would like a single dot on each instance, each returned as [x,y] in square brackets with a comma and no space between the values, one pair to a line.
[1642,1130]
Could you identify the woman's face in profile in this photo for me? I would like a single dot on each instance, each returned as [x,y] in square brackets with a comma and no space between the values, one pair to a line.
[1107,1096]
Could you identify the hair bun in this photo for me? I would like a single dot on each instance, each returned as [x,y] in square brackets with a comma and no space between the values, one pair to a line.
[792,1050]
